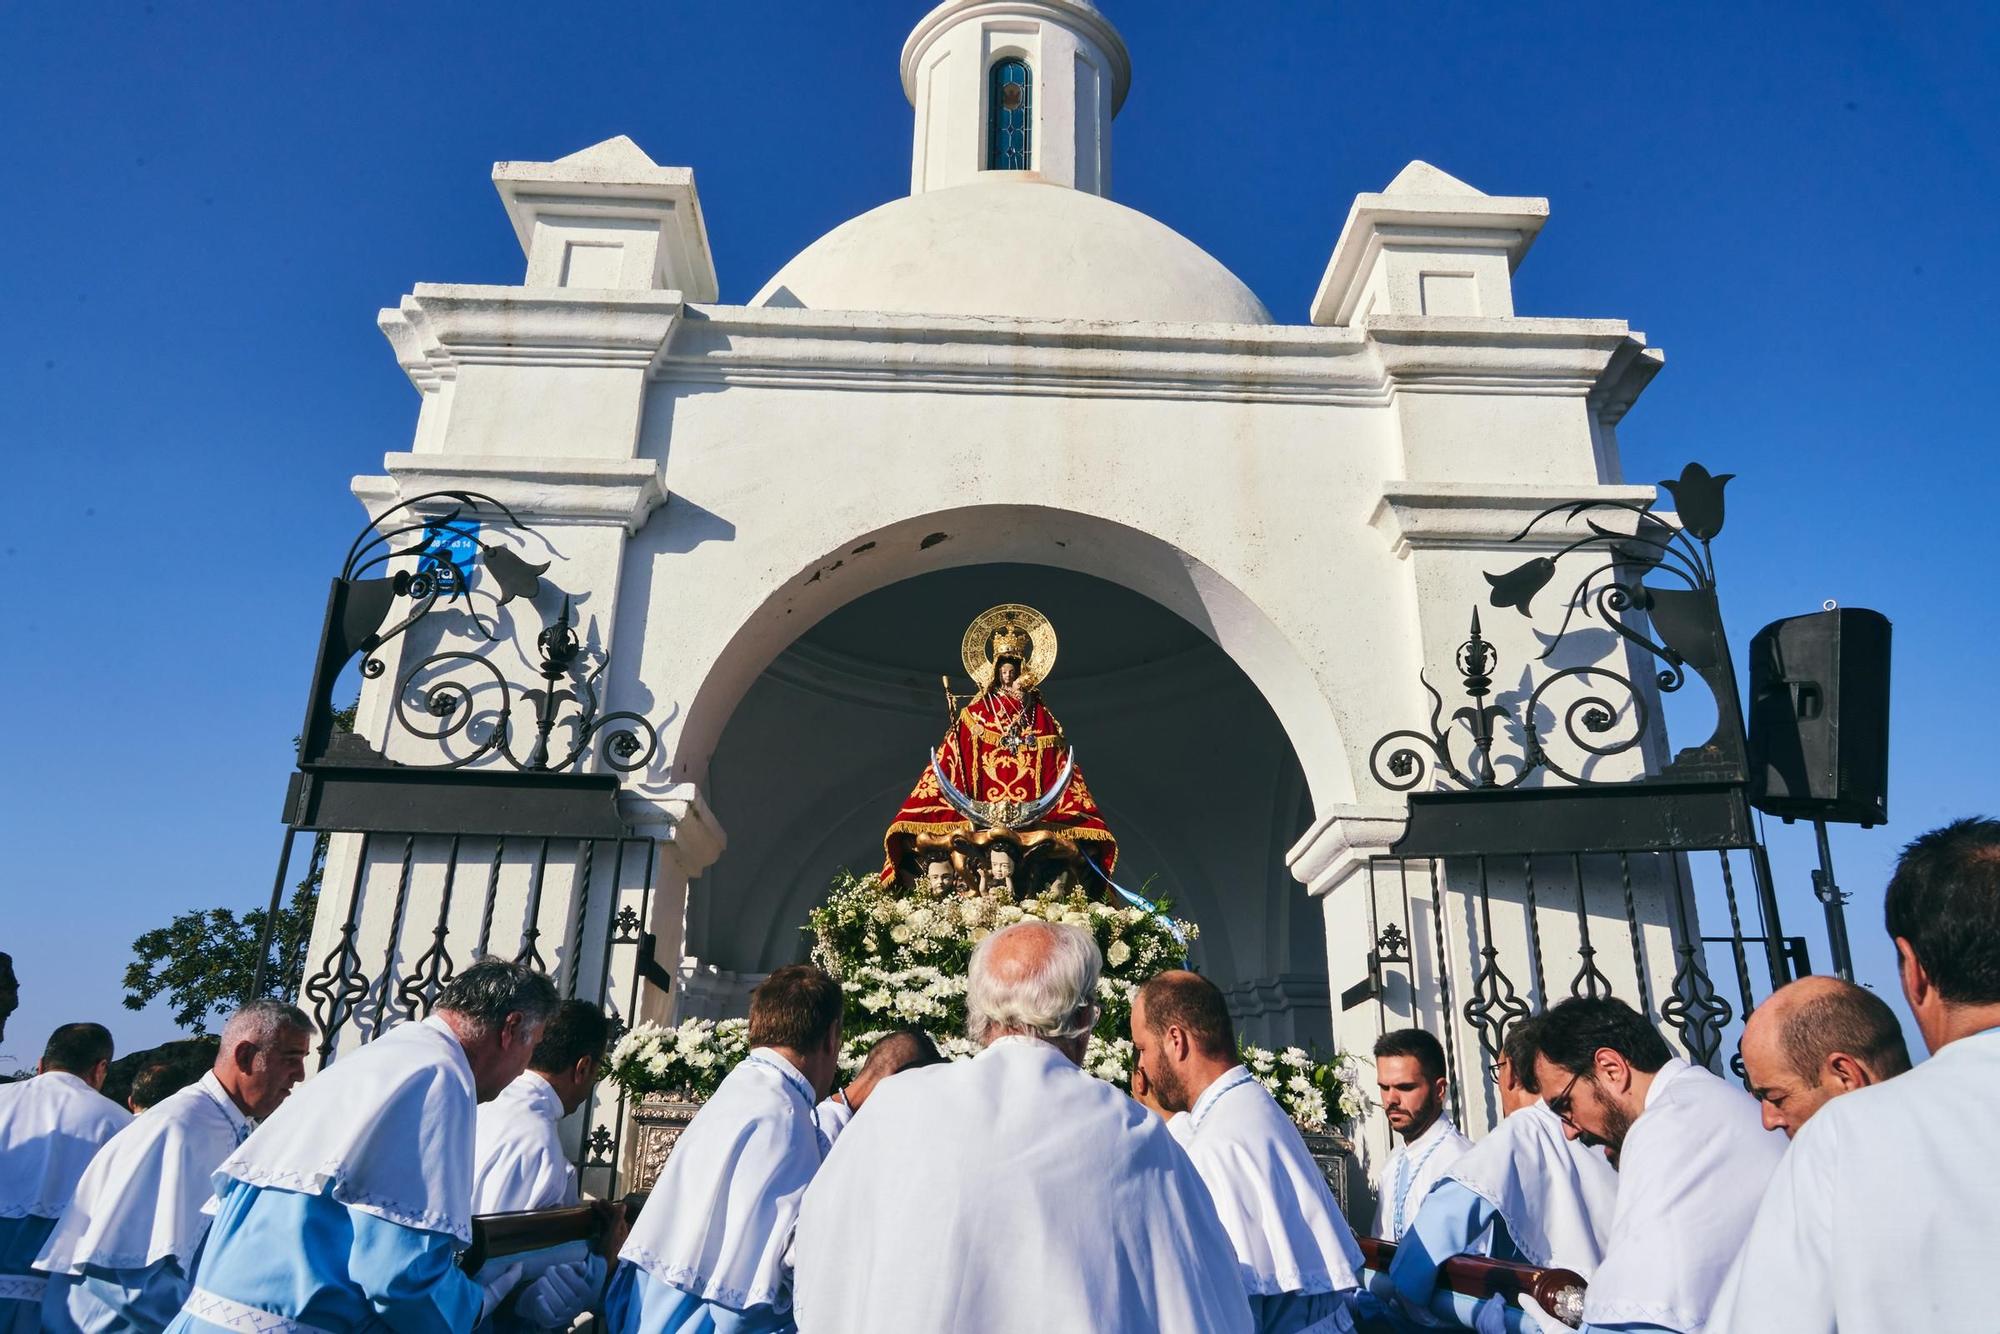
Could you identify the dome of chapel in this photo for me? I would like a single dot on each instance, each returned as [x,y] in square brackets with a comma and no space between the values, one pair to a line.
[1009,245]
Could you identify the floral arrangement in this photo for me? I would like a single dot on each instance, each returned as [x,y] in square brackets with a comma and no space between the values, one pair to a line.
[688,1060]
[902,960]
[1313,1093]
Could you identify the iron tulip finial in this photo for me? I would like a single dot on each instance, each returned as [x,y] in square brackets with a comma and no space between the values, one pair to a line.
[1698,500]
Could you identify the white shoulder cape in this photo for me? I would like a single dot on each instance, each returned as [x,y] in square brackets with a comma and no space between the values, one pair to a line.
[50,1128]
[718,1220]
[141,1199]
[1555,1194]
[389,1128]
[1272,1198]
[1012,1194]
[1690,1176]
[517,1157]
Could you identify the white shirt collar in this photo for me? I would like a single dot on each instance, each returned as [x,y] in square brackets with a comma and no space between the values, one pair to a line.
[238,1122]
[1234,1077]
[1665,1075]
[793,1075]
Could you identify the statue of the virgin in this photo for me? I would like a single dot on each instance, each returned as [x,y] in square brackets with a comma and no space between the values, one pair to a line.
[1005,770]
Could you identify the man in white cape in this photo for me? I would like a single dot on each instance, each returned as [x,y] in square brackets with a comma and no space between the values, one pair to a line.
[1410,1079]
[349,1206]
[905,1049]
[1297,1256]
[119,1257]
[1013,1193]
[519,1164]
[1693,1159]
[50,1128]
[1883,1215]
[708,1252]
[1527,1192]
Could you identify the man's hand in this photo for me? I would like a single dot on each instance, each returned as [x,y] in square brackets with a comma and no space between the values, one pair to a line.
[495,1287]
[559,1296]
[611,1221]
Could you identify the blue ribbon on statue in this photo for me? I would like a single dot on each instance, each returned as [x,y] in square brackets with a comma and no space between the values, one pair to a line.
[1145,904]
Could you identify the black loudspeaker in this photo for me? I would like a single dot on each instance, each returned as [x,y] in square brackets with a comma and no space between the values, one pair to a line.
[1819,717]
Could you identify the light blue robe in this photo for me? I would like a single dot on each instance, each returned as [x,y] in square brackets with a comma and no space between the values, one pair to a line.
[317,1262]
[638,1303]
[707,1255]
[115,1301]
[20,1242]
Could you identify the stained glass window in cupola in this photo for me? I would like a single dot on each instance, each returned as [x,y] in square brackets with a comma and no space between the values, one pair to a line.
[1010,111]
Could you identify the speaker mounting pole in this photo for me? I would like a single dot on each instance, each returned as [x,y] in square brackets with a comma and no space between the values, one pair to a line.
[1828,892]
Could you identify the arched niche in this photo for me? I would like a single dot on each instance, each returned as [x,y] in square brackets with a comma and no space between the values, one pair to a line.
[1187,759]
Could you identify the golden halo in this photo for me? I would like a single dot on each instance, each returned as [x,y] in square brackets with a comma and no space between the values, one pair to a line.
[977,648]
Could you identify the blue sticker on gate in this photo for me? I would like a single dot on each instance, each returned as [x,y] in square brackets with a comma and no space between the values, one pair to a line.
[451,549]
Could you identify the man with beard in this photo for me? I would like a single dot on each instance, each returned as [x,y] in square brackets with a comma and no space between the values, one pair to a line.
[1526,1192]
[1298,1257]
[1693,1161]
[1410,1076]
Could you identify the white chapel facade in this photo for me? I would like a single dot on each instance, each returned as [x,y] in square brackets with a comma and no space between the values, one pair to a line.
[1253,534]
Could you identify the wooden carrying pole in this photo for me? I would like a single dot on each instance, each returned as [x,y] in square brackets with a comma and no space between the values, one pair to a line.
[1557,1291]
[498,1235]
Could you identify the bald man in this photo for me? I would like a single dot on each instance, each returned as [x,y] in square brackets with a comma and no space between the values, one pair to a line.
[904,1049]
[1813,1040]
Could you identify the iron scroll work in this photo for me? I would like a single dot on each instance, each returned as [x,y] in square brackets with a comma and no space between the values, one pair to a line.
[1506,786]
[491,793]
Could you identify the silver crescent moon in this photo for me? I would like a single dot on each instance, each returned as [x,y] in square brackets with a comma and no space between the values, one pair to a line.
[980,812]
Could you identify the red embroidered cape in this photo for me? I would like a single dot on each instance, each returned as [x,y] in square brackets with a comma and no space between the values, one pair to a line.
[976,760]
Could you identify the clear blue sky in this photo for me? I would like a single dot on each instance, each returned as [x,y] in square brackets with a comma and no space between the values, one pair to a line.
[206,205]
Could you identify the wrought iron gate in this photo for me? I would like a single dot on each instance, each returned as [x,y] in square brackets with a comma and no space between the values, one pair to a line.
[447,844]
[1517,815]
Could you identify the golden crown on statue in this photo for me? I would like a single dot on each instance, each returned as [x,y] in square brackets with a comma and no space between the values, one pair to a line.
[1014,631]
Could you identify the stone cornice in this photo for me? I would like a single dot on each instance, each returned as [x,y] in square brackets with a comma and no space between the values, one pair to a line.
[440,327]
[544,491]
[1340,842]
[690,838]
[1428,516]
[1467,355]
[1255,363]
[1080,358]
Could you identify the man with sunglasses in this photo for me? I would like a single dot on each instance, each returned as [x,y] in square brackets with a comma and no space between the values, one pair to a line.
[1693,1160]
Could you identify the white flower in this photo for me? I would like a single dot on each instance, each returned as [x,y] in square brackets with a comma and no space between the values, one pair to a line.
[900,934]
[1118,955]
